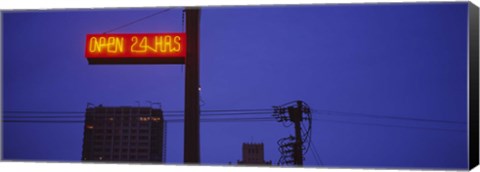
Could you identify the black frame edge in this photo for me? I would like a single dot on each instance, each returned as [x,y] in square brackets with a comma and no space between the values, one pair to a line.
[473,147]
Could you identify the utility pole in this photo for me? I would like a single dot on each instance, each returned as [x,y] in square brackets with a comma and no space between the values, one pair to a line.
[291,147]
[296,116]
[191,151]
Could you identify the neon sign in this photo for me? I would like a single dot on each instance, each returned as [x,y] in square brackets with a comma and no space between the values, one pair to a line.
[148,48]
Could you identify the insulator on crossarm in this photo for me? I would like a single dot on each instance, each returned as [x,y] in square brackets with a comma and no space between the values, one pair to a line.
[288,144]
[275,109]
[306,110]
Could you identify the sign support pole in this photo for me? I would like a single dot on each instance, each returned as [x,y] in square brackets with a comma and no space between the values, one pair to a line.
[191,151]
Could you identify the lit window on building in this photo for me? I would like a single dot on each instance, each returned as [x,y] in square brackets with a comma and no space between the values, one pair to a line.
[119,135]
[155,119]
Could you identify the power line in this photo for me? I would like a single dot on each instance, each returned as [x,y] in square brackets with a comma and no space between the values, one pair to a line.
[167,111]
[43,116]
[42,112]
[316,155]
[230,120]
[165,115]
[226,110]
[166,120]
[259,119]
[44,121]
[233,112]
[223,114]
[310,144]
[388,117]
[384,125]
[138,20]
[253,111]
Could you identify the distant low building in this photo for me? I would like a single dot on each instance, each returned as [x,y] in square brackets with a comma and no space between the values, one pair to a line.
[130,134]
[253,154]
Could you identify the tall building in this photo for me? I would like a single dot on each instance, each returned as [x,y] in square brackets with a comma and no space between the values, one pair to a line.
[133,134]
[253,154]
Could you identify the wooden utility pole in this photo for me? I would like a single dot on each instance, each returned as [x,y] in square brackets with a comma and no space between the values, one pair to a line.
[191,151]
[296,116]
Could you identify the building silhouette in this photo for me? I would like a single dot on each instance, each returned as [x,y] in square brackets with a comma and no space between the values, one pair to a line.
[253,154]
[132,134]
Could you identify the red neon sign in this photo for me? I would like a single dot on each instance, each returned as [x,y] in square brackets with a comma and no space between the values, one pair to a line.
[147,48]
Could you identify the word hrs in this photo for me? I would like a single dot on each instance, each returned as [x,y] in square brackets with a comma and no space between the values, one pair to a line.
[136,44]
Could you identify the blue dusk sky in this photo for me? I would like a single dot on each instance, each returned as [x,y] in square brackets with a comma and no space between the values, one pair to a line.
[345,61]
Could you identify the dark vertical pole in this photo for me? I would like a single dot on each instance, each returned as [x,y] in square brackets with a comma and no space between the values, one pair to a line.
[297,150]
[191,151]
